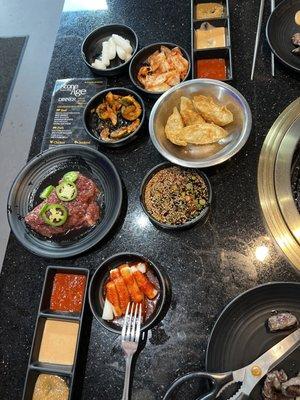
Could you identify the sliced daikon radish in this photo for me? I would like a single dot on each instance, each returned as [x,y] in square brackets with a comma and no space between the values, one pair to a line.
[121,53]
[98,64]
[142,267]
[108,311]
[121,42]
[112,49]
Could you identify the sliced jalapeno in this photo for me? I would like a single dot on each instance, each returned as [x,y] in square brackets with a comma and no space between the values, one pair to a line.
[66,191]
[46,192]
[54,214]
[71,176]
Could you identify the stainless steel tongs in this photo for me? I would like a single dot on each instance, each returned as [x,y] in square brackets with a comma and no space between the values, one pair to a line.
[248,376]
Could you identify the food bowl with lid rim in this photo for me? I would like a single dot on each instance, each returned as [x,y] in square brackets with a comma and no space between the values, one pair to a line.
[193,156]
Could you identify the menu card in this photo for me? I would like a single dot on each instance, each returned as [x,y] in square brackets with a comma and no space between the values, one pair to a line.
[65,118]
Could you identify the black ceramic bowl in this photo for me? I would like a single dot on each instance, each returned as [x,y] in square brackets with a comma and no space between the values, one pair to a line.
[186,225]
[92,47]
[140,58]
[95,101]
[281,27]
[47,168]
[102,273]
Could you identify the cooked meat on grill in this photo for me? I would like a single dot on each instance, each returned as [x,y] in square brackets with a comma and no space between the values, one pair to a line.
[281,321]
[83,211]
[291,388]
[278,387]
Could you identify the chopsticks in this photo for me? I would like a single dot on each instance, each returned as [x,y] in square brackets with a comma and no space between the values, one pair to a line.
[258,33]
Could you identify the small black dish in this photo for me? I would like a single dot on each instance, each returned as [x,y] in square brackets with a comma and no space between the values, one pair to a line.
[45,169]
[240,336]
[92,46]
[102,273]
[280,28]
[140,58]
[186,225]
[95,101]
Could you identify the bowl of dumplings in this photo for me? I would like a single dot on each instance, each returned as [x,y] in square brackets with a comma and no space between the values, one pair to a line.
[200,123]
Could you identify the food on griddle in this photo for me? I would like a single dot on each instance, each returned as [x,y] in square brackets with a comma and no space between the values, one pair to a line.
[211,111]
[115,46]
[116,117]
[50,387]
[163,69]
[296,42]
[209,10]
[129,282]
[70,206]
[282,321]
[175,195]
[209,36]
[278,387]
[199,122]
[213,68]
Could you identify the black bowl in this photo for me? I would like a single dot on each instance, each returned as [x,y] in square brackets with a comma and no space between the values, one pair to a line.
[203,214]
[46,168]
[92,47]
[96,100]
[280,28]
[139,60]
[102,273]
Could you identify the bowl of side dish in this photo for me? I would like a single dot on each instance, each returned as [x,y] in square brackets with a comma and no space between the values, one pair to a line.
[200,123]
[114,116]
[108,50]
[124,278]
[158,67]
[175,198]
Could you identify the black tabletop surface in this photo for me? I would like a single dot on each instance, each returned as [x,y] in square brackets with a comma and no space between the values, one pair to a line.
[208,265]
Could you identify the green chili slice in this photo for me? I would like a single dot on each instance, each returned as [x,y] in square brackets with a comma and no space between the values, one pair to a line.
[66,191]
[71,176]
[46,192]
[54,214]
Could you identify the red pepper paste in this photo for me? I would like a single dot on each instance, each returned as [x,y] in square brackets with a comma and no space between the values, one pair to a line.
[67,292]
[214,68]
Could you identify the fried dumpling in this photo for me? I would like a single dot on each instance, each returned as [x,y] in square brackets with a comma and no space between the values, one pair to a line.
[211,111]
[198,134]
[174,126]
[188,113]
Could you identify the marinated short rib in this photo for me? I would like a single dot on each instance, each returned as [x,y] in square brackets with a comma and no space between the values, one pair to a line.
[83,212]
[282,321]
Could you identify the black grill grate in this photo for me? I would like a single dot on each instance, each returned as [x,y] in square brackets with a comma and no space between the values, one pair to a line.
[296,178]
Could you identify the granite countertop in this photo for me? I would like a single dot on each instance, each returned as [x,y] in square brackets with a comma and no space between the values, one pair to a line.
[208,265]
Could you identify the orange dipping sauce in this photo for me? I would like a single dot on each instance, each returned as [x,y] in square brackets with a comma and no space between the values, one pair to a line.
[67,292]
[214,68]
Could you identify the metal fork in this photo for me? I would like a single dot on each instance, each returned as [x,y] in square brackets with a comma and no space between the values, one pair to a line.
[131,332]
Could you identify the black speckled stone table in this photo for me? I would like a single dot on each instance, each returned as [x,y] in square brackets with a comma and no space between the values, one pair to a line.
[208,265]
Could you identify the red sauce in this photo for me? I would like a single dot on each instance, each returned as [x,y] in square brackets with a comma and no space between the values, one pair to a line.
[67,292]
[214,68]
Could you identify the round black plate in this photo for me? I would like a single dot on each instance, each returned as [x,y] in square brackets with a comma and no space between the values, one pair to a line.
[240,334]
[280,28]
[101,275]
[36,174]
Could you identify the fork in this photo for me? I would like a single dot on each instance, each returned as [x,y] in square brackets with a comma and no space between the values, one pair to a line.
[131,332]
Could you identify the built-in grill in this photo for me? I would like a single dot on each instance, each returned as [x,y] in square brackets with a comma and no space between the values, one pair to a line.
[295,177]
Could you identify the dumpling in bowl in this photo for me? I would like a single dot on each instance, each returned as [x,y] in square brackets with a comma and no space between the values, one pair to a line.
[188,113]
[211,111]
[173,128]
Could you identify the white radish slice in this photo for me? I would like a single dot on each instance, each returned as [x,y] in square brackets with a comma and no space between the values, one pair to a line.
[124,43]
[108,312]
[121,53]
[128,56]
[98,64]
[133,269]
[142,267]
[112,49]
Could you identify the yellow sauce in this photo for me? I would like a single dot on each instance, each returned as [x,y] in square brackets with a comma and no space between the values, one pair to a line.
[58,342]
[209,10]
[50,387]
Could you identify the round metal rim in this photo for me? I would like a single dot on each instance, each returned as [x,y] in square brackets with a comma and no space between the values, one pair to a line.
[244,135]
[270,42]
[128,138]
[229,305]
[74,252]
[266,185]
[107,26]
[164,280]
[148,47]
